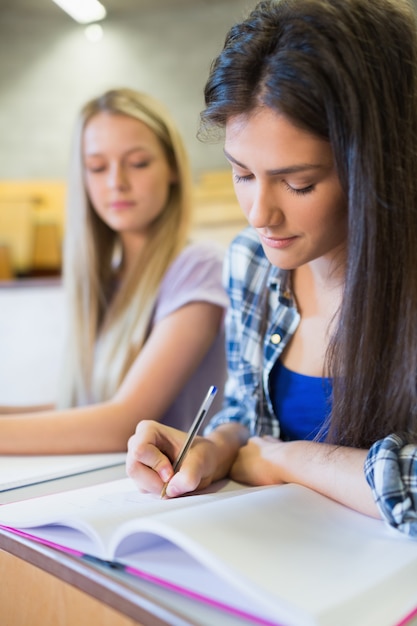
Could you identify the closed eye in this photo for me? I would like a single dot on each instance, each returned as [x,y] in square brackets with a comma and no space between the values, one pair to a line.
[300,192]
[95,170]
[241,179]
[140,165]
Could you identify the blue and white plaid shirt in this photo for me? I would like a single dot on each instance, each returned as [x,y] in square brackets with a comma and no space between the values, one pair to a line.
[261,319]
[391,471]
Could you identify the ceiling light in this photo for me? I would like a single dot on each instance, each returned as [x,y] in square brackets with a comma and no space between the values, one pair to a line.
[83,11]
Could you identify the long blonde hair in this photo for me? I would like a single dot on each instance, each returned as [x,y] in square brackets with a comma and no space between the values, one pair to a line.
[106,333]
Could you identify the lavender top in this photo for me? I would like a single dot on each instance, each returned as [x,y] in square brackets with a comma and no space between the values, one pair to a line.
[195,276]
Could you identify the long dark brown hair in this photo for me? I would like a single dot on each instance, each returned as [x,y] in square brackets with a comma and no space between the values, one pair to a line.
[346,70]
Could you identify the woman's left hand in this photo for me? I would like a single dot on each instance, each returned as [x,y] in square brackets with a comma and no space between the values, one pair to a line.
[335,471]
[258,462]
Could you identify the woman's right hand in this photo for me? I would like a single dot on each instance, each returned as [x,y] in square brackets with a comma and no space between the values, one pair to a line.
[152,451]
[153,448]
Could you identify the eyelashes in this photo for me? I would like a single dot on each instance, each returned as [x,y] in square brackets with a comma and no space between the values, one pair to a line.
[103,168]
[140,165]
[241,179]
[299,192]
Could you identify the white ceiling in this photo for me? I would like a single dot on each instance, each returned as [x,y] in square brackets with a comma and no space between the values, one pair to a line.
[114,7]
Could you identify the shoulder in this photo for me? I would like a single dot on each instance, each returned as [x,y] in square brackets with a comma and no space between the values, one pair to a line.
[199,254]
[195,275]
[200,262]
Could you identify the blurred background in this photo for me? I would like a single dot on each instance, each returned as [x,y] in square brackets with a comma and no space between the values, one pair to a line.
[51,64]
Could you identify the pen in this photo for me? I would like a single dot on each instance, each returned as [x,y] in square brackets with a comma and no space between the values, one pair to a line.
[195,427]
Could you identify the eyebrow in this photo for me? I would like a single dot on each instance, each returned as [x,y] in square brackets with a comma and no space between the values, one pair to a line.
[291,169]
[135,149]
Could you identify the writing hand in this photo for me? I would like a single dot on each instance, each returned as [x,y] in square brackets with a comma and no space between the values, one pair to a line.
[151,453]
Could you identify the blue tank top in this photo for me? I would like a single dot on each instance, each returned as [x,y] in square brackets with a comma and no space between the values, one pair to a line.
[301,403]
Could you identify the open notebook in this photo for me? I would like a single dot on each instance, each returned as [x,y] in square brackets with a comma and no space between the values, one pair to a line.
[280,555]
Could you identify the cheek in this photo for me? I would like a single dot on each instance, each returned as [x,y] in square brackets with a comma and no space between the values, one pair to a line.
[158,187]
[93,186]
[340,213]
[244,197]
[152,195]
[160,199]
[94,193]
[332,224]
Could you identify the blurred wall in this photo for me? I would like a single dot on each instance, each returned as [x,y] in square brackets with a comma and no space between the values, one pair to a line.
[48,69]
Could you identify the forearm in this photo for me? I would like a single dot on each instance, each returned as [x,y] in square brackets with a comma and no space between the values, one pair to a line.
[97,428]
[336,472]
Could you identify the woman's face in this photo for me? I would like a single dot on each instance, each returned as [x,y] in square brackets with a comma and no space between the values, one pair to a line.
[286,183]
[127,174]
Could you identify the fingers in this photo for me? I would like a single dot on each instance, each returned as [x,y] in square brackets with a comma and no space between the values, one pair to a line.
[197,470]
[182,482]
[149,455]
[148,478]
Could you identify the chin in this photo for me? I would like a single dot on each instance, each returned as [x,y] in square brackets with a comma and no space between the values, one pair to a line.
[283,261]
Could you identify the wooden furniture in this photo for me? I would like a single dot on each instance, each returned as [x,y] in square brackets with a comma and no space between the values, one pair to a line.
[32,219]
[32,225]
[34,587]
[47,248]
[16,232]
[47,588]
[6,266]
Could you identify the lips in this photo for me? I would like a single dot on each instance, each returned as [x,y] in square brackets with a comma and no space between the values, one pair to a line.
[277,242]
[121,204]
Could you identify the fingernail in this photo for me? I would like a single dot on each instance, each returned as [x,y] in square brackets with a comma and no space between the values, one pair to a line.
[172,492]
[165,475]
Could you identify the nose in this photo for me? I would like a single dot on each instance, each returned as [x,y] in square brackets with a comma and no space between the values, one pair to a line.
[116,177]
[264,207]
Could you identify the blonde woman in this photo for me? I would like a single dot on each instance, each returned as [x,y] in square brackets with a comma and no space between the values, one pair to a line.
[145,306]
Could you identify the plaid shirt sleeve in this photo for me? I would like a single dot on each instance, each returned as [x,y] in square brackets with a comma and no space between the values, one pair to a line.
[391,471]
